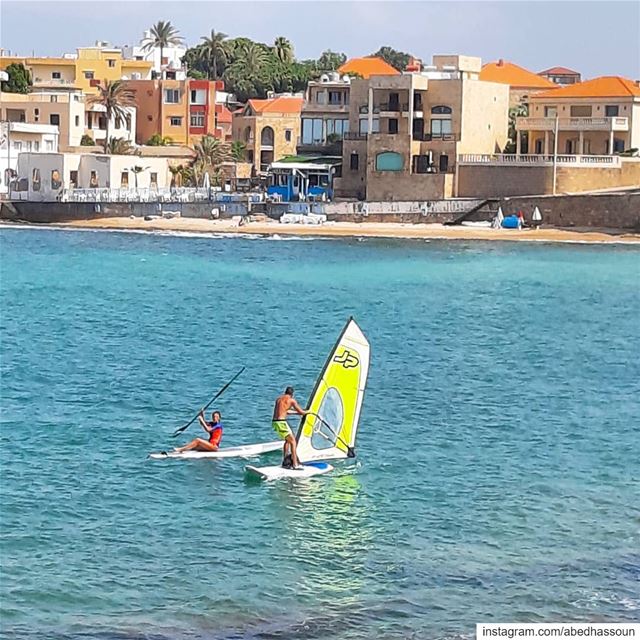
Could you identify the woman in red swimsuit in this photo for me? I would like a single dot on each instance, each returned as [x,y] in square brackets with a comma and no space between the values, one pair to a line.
[213,428]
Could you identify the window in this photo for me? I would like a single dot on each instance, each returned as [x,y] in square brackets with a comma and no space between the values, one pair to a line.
[321,97]
[49,145]
[580,111]
[421,164]
[54,118]
[444,163]
[266,137]
[441,110]
[56,181]
[440,128]
[124,180]
[389,161]
[198,96]
[89,75]
[112,63]
[197,119]
[171,96]
[287,135]
[364,126]
[77,121]
[73,179]
[53,98]
[354,162]
[611,111]
[154,180]
[335,97]
[175,121]
[93,180]
[393,125]
[36,145]
[29,144]
[550,112]
[17,145]
[36,114]
[35,179]
[618,145]
[56,75]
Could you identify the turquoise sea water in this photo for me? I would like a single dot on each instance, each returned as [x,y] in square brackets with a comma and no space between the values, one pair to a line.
[498,469]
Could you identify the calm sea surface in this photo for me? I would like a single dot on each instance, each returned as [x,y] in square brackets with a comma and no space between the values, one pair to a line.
[498,475]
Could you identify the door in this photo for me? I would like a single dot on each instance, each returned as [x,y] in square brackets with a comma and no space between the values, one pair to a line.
[444,163]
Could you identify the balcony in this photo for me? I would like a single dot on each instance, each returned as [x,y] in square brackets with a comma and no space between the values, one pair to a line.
[435,137]
[573,124]
[392,107]
[355,135]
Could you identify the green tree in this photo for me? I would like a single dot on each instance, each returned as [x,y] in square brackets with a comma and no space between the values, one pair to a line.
[19,79]
[519,111]
[283,50]
[156,140]
[87,141]
[397,59]
[215,51]
[117,99]
[238,150]
[330,60]
[119,147]
[163,35]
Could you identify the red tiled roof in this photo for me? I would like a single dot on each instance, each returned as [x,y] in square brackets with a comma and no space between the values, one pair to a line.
[224,115]
[603,87]
[513,75]
[369,66]
[282,104]
[558,71]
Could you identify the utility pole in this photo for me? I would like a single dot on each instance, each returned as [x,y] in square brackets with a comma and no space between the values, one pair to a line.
[555,154]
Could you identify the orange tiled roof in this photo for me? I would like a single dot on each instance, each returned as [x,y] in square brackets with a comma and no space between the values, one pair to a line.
[223,114]
[554,71]
[281,104]
[369,66]
[603,87]
[513,75]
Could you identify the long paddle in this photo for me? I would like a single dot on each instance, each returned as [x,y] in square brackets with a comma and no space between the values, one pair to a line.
[178,431]
[350,451]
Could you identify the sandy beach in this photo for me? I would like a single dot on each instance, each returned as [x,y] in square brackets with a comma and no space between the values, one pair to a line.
[348,229]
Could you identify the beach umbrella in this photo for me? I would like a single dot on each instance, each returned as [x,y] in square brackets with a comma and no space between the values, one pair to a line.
[537,216]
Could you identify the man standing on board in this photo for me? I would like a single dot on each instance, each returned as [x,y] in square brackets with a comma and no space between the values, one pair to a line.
[286,405]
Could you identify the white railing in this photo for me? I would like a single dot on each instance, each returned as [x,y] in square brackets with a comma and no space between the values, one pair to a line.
[142,194]
[572,124]
[538,160]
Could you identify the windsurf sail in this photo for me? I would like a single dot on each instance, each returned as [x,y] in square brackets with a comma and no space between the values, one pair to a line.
[330,430]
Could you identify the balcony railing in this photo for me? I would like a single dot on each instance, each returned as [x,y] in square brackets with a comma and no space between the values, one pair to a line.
[355,135]
[432,137]
[573,124]
[393,107]
[538,160]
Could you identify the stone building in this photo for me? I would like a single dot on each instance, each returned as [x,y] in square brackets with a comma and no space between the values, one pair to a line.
[269,128]
[406,130]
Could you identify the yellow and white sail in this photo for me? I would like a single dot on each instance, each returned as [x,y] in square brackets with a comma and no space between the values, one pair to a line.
[336,399]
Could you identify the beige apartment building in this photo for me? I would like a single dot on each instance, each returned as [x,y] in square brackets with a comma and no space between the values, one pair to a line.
[406,131]
[595,117]
[269,128]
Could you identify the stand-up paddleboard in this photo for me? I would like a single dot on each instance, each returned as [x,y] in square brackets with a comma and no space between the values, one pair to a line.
[277,472]
[244,451]
[328,432]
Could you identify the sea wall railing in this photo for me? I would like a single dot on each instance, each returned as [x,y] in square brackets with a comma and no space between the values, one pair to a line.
[502,159]
[145,194]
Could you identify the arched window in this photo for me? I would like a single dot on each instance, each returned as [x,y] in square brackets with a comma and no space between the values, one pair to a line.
[389,161]
[441,122]
[441,110]
[266,137]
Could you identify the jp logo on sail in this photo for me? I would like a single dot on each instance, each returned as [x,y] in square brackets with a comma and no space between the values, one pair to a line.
[347,359]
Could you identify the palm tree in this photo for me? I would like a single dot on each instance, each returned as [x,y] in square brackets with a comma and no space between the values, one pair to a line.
[117,99]
[119,147]
[215,51]
[211,151]
[238,149]
[163,34]
[137,169]
[253,57]
[283,50]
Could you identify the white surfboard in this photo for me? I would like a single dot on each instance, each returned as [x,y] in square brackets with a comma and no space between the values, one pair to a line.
[277,472]
[244,451]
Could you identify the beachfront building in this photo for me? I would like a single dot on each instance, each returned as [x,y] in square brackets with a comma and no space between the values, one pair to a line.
[561,75]
[596,117]
[325,114]
[48,176]
[269,128]
[182,110]
[69,111]
[62,109]
[85,70]
[522,82]
[406,130]
[22,137]
[166,63]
